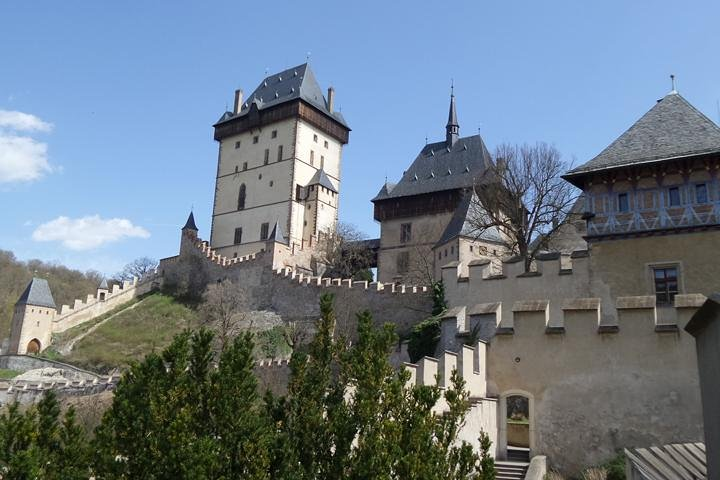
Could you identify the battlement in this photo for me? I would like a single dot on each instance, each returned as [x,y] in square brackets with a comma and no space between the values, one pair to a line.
[303,279]
[469,362]
[214,257]
[545,265]
[95,305]
[634,315]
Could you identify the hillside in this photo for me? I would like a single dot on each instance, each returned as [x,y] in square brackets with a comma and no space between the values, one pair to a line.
[127,334]
[139,327]
[66,284]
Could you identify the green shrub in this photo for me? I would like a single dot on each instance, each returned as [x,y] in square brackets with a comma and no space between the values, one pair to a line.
[424,338]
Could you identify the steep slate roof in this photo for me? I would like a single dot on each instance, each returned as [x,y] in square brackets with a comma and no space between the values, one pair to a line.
[277,234]
[291,84]
[460,225]
[37,293]
[321,178]
[436,169]
[190,224]
[103,285]
[672,128]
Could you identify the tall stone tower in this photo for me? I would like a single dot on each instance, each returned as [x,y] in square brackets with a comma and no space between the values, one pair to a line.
[32,318]
[279,163]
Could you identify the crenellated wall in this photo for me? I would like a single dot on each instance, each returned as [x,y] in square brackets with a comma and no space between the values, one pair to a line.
[596,381]
[293,295]
[470,363]
[83,311]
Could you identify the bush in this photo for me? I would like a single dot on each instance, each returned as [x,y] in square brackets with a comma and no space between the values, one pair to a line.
[424,338]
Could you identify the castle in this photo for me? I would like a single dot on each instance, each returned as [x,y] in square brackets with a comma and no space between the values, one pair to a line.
[590,340]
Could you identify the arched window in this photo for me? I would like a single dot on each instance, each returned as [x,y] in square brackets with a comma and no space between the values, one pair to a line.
[241,197]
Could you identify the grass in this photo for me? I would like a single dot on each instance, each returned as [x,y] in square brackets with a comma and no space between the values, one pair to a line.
[132,334]
[69,334]
[6,374]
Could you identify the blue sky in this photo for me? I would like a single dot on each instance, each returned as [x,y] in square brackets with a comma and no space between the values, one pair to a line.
[119,97]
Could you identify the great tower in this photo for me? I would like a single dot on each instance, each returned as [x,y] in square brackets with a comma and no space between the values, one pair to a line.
[279,164]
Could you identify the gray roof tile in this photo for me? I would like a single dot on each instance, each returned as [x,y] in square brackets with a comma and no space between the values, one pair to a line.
[38,294]
[461,226]
[439,167]
[291,84]
[277,234]
[321,178]
[672,128]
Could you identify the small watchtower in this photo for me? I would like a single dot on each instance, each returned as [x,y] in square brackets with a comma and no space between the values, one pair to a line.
[102,291]
[32,319]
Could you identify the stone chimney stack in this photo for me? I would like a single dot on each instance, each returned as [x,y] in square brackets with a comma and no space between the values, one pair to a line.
[238,101]
[331,99]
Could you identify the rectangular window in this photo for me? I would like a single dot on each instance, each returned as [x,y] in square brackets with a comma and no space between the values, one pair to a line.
[280,152]
[238,236]
[267,156]
[312,158]
[256,139]
[701,194]
[326,144]
[244,166]
[264,231]
[403,262]
[237,144]
[273,134]
[322,161]
[405,232]
[623,204]
[315,138]
[666,284]
[674,196]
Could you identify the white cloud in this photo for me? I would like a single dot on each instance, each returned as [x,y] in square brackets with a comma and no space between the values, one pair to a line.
[87,232]
[23,122]
[22,158]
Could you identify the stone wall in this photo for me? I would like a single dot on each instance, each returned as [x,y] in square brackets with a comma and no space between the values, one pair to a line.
[294,296]
[23,363]
[83,311]
[600,373]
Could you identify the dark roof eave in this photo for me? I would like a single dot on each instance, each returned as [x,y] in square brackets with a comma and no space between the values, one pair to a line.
[574,177]
[263,109]
[432,192]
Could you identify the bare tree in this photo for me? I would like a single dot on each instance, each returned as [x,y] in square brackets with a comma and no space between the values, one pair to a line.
[523,196]
[224,310]
[344,251]
[137,268]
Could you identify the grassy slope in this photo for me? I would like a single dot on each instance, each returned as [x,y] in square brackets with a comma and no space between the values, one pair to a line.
[133,333]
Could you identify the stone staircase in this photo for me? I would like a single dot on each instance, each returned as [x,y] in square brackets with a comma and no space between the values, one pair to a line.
[516,465]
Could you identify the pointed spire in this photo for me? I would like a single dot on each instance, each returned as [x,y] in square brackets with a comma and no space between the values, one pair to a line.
[37,293]
[277,234]
[103,284]
[452,129]
[190,224]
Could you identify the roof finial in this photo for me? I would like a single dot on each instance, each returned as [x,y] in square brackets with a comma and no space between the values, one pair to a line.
[307,57]
[672,81]
[452,129]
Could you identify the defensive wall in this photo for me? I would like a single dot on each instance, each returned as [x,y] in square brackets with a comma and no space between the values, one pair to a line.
[294,296]
[599,373]
[470,363]
[96,305]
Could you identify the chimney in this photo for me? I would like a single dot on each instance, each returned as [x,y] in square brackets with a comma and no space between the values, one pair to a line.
[331,99]
[238,101]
